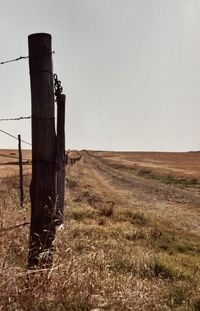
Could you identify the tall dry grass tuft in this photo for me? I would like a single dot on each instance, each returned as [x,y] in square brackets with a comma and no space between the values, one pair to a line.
[79,283]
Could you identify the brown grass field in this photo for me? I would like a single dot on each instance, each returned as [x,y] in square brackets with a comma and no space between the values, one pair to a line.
[130,239]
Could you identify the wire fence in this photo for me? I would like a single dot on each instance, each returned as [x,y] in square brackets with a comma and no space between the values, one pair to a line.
[14,60]
[15,137]
[8,156]
[14,176]
[12,157]
[16,119]
[18,59]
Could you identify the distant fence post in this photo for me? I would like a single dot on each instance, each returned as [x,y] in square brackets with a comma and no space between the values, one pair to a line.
[60,159]
[43,184]
[20,172]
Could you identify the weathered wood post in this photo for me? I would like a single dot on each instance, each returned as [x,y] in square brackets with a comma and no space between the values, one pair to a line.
[43,184]
[60,159]
[20,173]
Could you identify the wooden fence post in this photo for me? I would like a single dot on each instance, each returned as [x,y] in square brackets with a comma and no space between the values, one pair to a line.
[43,184]
[20,172]
[60,159]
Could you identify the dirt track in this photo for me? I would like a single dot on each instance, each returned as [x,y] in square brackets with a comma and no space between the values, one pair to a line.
[179,206]
[176,203]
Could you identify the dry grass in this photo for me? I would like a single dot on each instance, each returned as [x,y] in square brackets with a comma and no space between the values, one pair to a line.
[110,256]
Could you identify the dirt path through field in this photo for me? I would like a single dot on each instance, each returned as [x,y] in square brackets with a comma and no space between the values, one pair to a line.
[179,206]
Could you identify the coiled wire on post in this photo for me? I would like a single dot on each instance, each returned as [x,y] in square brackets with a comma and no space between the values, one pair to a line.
[57,87]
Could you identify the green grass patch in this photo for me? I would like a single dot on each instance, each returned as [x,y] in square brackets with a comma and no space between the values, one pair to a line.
[169,240]
[168,179]
[180,297]
[136,217]
[166,270]
[187,247]
[131,215]
[139,218]
[81,212]
[148,173]
[134,235]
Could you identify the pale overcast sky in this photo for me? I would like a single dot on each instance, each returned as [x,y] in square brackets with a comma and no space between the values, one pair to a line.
[130,70]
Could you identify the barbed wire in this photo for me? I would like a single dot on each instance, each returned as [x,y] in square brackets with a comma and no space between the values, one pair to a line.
[13,176]
[9,156]
[12,157]
[15,226]
[14,60]
[16,119]
[26,118]
[18,58]
[15,137]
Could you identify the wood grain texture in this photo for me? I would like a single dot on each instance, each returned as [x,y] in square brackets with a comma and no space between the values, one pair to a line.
[43,184]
